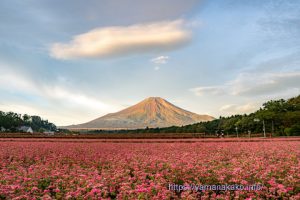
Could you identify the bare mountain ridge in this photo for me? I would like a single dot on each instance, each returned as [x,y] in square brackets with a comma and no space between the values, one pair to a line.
[152,112]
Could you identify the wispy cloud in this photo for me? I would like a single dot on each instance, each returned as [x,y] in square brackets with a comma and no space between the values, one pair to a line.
[230,109]
[160,60]
[266,83]
[209,90]
[254,84]
[123,40]
[56,102]
[73,99]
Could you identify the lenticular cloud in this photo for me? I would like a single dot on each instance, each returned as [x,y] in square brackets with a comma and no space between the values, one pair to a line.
[120,40]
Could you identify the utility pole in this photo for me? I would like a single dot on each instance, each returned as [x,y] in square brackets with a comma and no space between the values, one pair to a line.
[237,133]
[272,129]
[264,128]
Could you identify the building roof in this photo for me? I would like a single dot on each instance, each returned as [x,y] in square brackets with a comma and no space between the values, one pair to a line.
[25,128]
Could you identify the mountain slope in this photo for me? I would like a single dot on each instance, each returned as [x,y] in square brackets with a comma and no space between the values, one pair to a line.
[151,112]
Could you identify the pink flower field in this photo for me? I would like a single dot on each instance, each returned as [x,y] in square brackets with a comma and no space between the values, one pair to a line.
[95,170]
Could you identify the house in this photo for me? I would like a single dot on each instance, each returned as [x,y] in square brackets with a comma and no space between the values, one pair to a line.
[26,129]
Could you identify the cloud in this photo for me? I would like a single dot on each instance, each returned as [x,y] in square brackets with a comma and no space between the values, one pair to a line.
[208,90]
[266,83]
[12,82]
[160,60]
[231,109]
[55,102]
[123,40]
[73,99]
[255,84]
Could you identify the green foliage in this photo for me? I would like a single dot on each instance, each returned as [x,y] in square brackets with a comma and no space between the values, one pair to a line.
[293,131]
[11,121]
[44,183]
[2,196]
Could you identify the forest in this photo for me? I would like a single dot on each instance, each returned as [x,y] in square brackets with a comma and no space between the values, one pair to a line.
[10,122]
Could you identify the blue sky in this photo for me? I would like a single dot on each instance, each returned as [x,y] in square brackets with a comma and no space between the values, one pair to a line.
[72,61]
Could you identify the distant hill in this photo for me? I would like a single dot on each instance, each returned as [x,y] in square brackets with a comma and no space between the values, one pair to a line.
[152,112]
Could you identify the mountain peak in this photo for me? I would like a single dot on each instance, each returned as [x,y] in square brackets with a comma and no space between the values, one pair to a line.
[151,112]
[154,99]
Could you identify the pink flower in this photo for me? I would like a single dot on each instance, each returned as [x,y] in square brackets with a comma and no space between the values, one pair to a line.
[280,186]
[56,190]
[95,190]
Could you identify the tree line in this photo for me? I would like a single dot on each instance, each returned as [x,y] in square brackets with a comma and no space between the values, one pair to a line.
[10,122]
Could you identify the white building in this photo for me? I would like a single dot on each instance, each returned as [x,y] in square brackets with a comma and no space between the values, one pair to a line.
[26,129]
